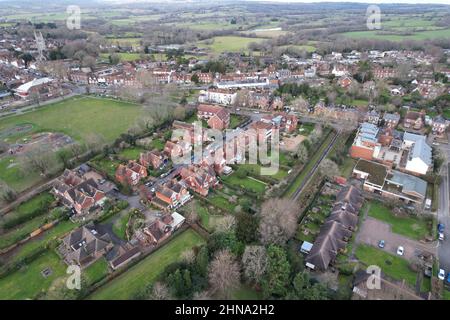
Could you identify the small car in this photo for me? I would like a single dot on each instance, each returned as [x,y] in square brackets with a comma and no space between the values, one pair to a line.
[441,274]
[381,244]
[448,278]
[441,236]
[400,250]
[441,227]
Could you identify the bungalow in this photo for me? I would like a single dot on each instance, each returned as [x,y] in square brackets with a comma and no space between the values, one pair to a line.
[131,173]
[78,193]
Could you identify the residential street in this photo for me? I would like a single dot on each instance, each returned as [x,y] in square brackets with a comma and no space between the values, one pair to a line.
[443,211]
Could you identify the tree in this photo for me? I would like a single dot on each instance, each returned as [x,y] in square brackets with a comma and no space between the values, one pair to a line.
[179,113]
[39,161]
[278,220]
[276,278]
[160,292]
[114,58]
[7,194]
[247,227]
[201,261]
[195,78]
[223,273]
[254,261]
[302,153]
[64,155]
[304,289]
[226,224]
[188,256]
[328,168]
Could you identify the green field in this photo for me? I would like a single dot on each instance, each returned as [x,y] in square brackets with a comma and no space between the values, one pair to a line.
[147,271]
[80,117]
[391,265]
[96,271]
[411,227]
[14,177]
[248,183]
[229,44]
[28,281]
[378,35]
[126,56]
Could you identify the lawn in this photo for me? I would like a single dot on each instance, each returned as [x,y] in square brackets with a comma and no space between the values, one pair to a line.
[391,265]
[246,183]
[120,226]
[157,144]
[221,202]
[126,56]
[80,117]
[96,271]
[255,170]
[12,174]
[235,120]
[27,282]
[147,271]
[229,44]
[106,165]
[411,227]
[246,293]
[131,153]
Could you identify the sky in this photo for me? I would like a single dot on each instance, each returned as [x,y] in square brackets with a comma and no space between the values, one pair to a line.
[367,1]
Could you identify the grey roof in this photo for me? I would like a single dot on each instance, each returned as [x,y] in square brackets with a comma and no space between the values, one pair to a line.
[420,148]
[408,182]
[391,117]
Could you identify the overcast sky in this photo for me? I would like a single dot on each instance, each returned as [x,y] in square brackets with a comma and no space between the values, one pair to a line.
[367,1]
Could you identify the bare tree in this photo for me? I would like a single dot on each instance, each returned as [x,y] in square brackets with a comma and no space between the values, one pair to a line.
[278,220]
[160,292]
[254,261]
[328,168]
[302,153]
[188,256]
[77,149]
[224,275]
[39,161]
[225,224]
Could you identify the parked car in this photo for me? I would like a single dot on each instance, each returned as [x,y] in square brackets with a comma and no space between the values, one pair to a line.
[381,244]
[448,278]
[441,227]
[400,250]
[255,112]
[441,236]
[441,274]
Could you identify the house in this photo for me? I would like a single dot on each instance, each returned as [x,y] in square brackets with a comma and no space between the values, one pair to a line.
[366,145]
[217,117]
[391,120]
[262,129]
[78,193]
[199,179]
[171,194]
[345,82]
[439,126]
[337,229]
[154,159]
[35,86]
[130,173]
[85,245]
[220,96]
[372,117]
[391,184]
[414,120]
[125,257]
[419,153]
[161,229]
[178,149]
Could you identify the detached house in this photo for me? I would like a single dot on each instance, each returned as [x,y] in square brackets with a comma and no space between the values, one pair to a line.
[419,156]
[153,159]
[78,193]
[414,120]
[131,173]
[199,179]
[439,126]
[171,195]
[217,117]
[85,245]
[160,229]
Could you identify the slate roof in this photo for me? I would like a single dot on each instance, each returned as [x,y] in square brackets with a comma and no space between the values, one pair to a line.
[408,182]
[420,148]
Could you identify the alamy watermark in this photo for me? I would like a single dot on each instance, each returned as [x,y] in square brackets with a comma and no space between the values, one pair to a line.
[373,14]
[229,147]
[73,282]
[374,280]
[73,21]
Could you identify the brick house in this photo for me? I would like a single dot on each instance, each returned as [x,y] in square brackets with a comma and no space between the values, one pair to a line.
[131,173]
[178,149]
[78,193]
[414,120]
[154,159]
[217,117]
[171,195]
[199,179]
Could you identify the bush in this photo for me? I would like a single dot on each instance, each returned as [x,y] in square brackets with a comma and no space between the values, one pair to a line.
[42,207]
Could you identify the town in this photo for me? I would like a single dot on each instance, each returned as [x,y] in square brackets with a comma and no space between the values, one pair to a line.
[129,155]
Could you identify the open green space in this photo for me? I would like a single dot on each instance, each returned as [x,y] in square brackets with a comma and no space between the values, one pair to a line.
[131,153]
[28,281]
[412,227]
[249,183]
[147,271]
[15,177]
[379,35]
[393,266]
[229,44]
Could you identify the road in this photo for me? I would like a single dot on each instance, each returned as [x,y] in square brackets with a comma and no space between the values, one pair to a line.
[443,210]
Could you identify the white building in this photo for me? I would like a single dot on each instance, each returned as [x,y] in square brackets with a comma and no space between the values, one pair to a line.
[420,156]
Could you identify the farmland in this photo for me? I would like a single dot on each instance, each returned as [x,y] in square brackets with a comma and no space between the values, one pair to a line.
[229,43]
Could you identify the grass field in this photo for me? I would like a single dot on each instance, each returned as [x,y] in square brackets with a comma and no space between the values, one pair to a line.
[229,44]
[79,117]
[120,225]
[391,265]
[96,271]
[27,282]
[411,227]
[421,35]
[147,271]
[246,183]
[131,153]
[14,177]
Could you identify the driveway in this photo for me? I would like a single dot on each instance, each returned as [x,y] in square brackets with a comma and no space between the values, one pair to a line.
[373,230]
